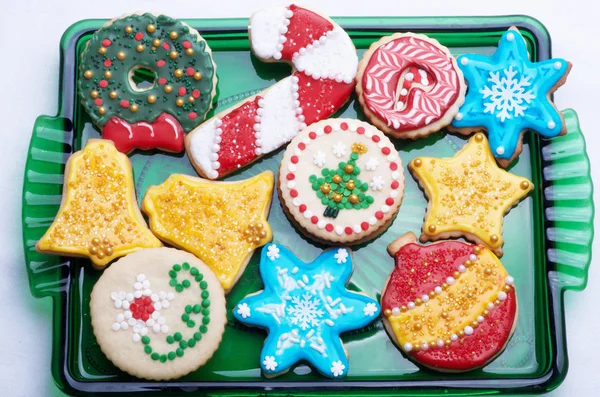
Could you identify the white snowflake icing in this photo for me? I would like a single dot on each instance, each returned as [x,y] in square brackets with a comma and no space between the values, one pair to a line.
[339,149]
[273,252]
[270,363]
[376,183]
[370,309]
[507,95]
[305,311]
[124,301]
[341,256]
[337,368]
[243,310]
[319,159]
[371,164]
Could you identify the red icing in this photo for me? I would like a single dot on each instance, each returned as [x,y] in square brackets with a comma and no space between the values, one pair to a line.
[103,83]
[162,81]
[160,63]
[164,133]
[294,159]
[329,227]
[321,98]
[410,280]
[348,230]
[182,91]
[98,102]
[360,130]
[141,308]
[301,146]
[106,43]
[301,22]
[166,45]
[419,107]
[238,143]
[189,71]
[139,36]
[196,94]
[192,115]
[302,208]
[364,225]
[186,44]
[107,63]
[344,126]
[124,103]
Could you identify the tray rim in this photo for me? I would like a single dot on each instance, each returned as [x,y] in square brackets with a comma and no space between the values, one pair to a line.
[551,379]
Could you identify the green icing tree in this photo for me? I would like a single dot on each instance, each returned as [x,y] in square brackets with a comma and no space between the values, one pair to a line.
[340,189]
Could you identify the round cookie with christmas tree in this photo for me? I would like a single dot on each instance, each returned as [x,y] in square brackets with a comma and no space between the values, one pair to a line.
[341,181]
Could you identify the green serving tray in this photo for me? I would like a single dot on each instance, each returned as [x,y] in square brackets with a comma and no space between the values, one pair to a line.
[547,236]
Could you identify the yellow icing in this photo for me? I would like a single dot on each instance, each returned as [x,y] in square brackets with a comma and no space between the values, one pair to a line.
[469,192]
[222,223]
[457,306]
[98,217]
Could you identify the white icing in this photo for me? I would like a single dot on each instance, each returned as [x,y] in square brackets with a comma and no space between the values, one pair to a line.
[376,183]
[335,58]
[372,163]
[266,28]
[201,146]
[319,159]
[339,149]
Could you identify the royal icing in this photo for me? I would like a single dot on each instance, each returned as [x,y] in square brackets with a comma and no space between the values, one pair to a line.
[98,217]
[182,86]
[450,305]
[355,193]
[305,307]
[411,82]
[508,94]
[222,223]
[325,64]
[468,193]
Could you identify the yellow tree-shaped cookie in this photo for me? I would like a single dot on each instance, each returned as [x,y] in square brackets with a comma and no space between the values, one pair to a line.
[98,216]
[468,194]
[222,223]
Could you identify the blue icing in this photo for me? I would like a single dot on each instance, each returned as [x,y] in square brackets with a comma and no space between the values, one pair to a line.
[507,94]
[305,307]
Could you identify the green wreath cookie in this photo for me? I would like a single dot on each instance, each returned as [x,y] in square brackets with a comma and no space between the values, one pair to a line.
[146,80]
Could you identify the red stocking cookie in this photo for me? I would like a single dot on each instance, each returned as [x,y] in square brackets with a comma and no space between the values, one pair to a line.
[324,66]
[409,85]
[450,306]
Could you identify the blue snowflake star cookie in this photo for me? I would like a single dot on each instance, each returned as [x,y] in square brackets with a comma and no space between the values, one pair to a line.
[305,307]
[508,94]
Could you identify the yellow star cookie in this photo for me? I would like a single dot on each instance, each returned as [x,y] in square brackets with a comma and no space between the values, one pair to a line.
[98,216]
[222,223]
[468,194]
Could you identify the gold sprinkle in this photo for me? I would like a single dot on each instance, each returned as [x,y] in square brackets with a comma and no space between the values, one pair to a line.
[88,74]
[150,28]
[359,148]
[173,35]
[121,55]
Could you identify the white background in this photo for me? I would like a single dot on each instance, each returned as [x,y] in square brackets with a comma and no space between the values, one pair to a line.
[30,32]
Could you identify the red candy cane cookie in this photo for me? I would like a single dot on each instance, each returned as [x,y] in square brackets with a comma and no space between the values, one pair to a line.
[324,65]
[409,85]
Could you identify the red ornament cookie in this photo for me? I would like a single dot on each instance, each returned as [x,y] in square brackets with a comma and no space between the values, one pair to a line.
[409,85]
[341,181]
[450,305]
[324,65]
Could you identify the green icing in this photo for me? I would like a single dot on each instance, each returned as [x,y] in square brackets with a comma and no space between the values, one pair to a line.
[189,115]
[200,311]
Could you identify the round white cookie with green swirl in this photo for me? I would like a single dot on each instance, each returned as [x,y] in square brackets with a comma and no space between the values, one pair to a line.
[158,313]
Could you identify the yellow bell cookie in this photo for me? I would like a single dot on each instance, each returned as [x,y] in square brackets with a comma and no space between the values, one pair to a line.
[222,223]
[468,194]
[98,216]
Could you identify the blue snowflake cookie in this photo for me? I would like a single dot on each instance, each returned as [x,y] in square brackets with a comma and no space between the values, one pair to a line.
[305,307]
[507,94]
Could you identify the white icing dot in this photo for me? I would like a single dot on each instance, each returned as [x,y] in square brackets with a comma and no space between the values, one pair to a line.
[156,328]
[308,214]
[396,311]
[411,305]
[155,314]
[480,319]
[131,322]
[144,331]
[164,329]
[509,280]
[368,133]
[450,280]
[154,297]
[136,337]
[490,306]
[137,286]
[219,122]
[390,157]
[395,175]
[462,269]
[438,290]
[500,150]
[118,304]
[557,65]
[114,296]
[551,124]
[424,347]
[454,337]
[502,296]
[140,277]
[292,167]
[296,202]
[425,298]
[356,229]
[124,325]
[472,257]
[339,230]
[403,91]
[125,305]
[372,220]
[116,326]
[385,209]
[321,224]
[468,330]
[458,117]
[162,294]
[409,77]
[165,303]
[394,193]
[291,184]
[440,343]
[407,347]
[147,292]
[150,322]
[510,37]
[161,320]
[277,55]
[464,60]
[128,314]
[158,306]
[145,284]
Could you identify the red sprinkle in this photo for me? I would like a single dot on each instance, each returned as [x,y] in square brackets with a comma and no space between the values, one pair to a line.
[290,177]
[312,135]
[139,36]
[302,208]
[189,71]
[389,201]
[192,115]
[294,159]
[314,220]
[186,44]
[348,230]
[166,45]
[294,193]
[162,81]
[182,91]
[301,146]
[103,83]
[393,166]
[344,126]
[375,138]
[386,150]
[329,227]
[327,129]
[145,316]
[379,215]
[98,102]
[360,130]
[124,103]
[395,185]
[147,301]
[106,43]
[160,63]
[196,94]
[107,63]
[364,225]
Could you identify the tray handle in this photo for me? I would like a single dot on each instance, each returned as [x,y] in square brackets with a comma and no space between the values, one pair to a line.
[49,149]
[570,209]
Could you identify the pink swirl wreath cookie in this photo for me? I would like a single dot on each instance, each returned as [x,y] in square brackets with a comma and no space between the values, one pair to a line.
[409,85]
